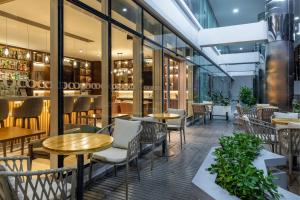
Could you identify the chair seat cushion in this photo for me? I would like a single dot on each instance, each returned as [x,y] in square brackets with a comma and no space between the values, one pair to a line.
[173,127]
[38,191]
[112,155]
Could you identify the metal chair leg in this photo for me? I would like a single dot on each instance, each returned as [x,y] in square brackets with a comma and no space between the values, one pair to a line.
[126,180]
[184,135]
[115,169]
[180,133]
[91,170]
[138,169]
[169,132]
[152,156]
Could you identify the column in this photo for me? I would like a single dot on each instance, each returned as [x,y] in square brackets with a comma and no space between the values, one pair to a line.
[279,83]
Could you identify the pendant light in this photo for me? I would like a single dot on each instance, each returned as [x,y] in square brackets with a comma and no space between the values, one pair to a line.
[46,57]
[28,53]
[86,63]
[6,51]
[74,61]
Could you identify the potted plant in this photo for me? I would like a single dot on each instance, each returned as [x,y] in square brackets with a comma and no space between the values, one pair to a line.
[222,105]
[246,97]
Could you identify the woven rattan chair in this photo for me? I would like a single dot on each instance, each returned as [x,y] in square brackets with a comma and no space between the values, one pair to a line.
[125,147]
[82,105]
[289,143]
[4,110]
[96,104]
[266,131]
[265,114]
[177,125]
[18,184]
[153,133]
[199,110]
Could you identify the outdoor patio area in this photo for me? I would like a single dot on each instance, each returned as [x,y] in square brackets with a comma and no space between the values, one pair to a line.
[170,179]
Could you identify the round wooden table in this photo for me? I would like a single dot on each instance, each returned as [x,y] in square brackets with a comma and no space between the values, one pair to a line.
[163,117]
[77,144]
[284,121]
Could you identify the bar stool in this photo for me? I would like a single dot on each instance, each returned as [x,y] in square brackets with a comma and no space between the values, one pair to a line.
[31,108]
[68,107]
[4,110]
[96,104]
[82,105]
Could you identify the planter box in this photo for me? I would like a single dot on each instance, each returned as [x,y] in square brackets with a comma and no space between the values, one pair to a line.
[205,186]
[222,111]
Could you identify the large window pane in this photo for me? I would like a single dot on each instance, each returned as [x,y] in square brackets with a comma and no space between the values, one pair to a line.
[128,13]
[169,40]
[152,28]
[99,5]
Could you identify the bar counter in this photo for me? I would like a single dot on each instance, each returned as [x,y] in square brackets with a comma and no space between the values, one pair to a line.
[16,101]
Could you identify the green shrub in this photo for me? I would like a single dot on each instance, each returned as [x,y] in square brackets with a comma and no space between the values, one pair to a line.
[235,171]
[246,96]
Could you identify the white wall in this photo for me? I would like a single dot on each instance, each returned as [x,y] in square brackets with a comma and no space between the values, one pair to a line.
[240,81]
[238,58]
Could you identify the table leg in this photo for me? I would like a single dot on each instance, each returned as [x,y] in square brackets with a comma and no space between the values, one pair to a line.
[95,121]
[165,147]
[80,168]
[4,148]
[22,145]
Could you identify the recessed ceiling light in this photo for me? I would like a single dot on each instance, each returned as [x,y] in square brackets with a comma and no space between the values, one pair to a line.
[124,9]
[298,33]
[296,18]
[241,49]
[236,10]
[80,51]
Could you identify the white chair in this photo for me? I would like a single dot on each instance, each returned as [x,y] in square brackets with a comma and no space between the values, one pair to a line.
[124,149]
[177,124]
[18,184]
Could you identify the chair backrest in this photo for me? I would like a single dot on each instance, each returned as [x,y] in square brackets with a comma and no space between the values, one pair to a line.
[153,131]
[96,104]
[148,119]
[4,109]
[68,104]
[126,108]
[198,108]
[178,121]
[239,110]
[263,130]
[266,114]
[289,139]
[124,132]
[82,104]
[31,107]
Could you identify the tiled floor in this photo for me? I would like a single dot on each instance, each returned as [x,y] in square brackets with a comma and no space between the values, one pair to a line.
[169,179]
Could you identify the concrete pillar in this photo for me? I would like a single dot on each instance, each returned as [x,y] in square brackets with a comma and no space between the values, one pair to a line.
[279,53]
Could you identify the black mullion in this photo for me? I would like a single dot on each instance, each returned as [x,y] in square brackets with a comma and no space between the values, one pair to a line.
[109,48]
[142,55]
[163,68]
[60,92]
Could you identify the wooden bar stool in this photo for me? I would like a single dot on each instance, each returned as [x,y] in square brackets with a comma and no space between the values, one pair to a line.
[82,105]
[4,110]
[96,104]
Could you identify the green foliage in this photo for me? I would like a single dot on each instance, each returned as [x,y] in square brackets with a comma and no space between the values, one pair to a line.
[235,171]
[246,96]
[296,106]
[218,99]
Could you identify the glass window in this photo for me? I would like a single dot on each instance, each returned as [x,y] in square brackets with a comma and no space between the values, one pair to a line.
[96,4]
[128,13]
[181,47]
[152,28]
[126,65]
[152,73]
[169,40]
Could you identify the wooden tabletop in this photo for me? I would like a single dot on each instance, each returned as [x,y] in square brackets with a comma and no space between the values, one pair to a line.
[284,121]
[164,116]
[266,107]
[78,143]
[99,116]
[10,133]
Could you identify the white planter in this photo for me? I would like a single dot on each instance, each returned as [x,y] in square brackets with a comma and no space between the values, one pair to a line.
[207,189]
[221,111]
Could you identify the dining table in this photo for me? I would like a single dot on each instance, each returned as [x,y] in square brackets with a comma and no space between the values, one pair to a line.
[163,117]
[11,134]
[96,117]
[77,144]
[284,121]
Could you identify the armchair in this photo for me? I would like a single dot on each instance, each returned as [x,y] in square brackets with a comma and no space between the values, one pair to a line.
[18,184]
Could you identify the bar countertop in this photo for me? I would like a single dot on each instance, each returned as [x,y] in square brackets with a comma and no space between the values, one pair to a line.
[22,98]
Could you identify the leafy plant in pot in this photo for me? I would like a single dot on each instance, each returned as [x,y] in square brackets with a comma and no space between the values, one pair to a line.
[246,97]
[219,99]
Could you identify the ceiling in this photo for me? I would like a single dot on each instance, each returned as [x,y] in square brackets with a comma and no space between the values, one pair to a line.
[85,30]
[248,11]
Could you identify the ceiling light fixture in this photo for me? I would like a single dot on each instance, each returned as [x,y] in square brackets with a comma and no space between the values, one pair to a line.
[241,49]
[28,53]
[298,33]
[297,18]
[6,51]
[236,10]
[124,9]
[46,57]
